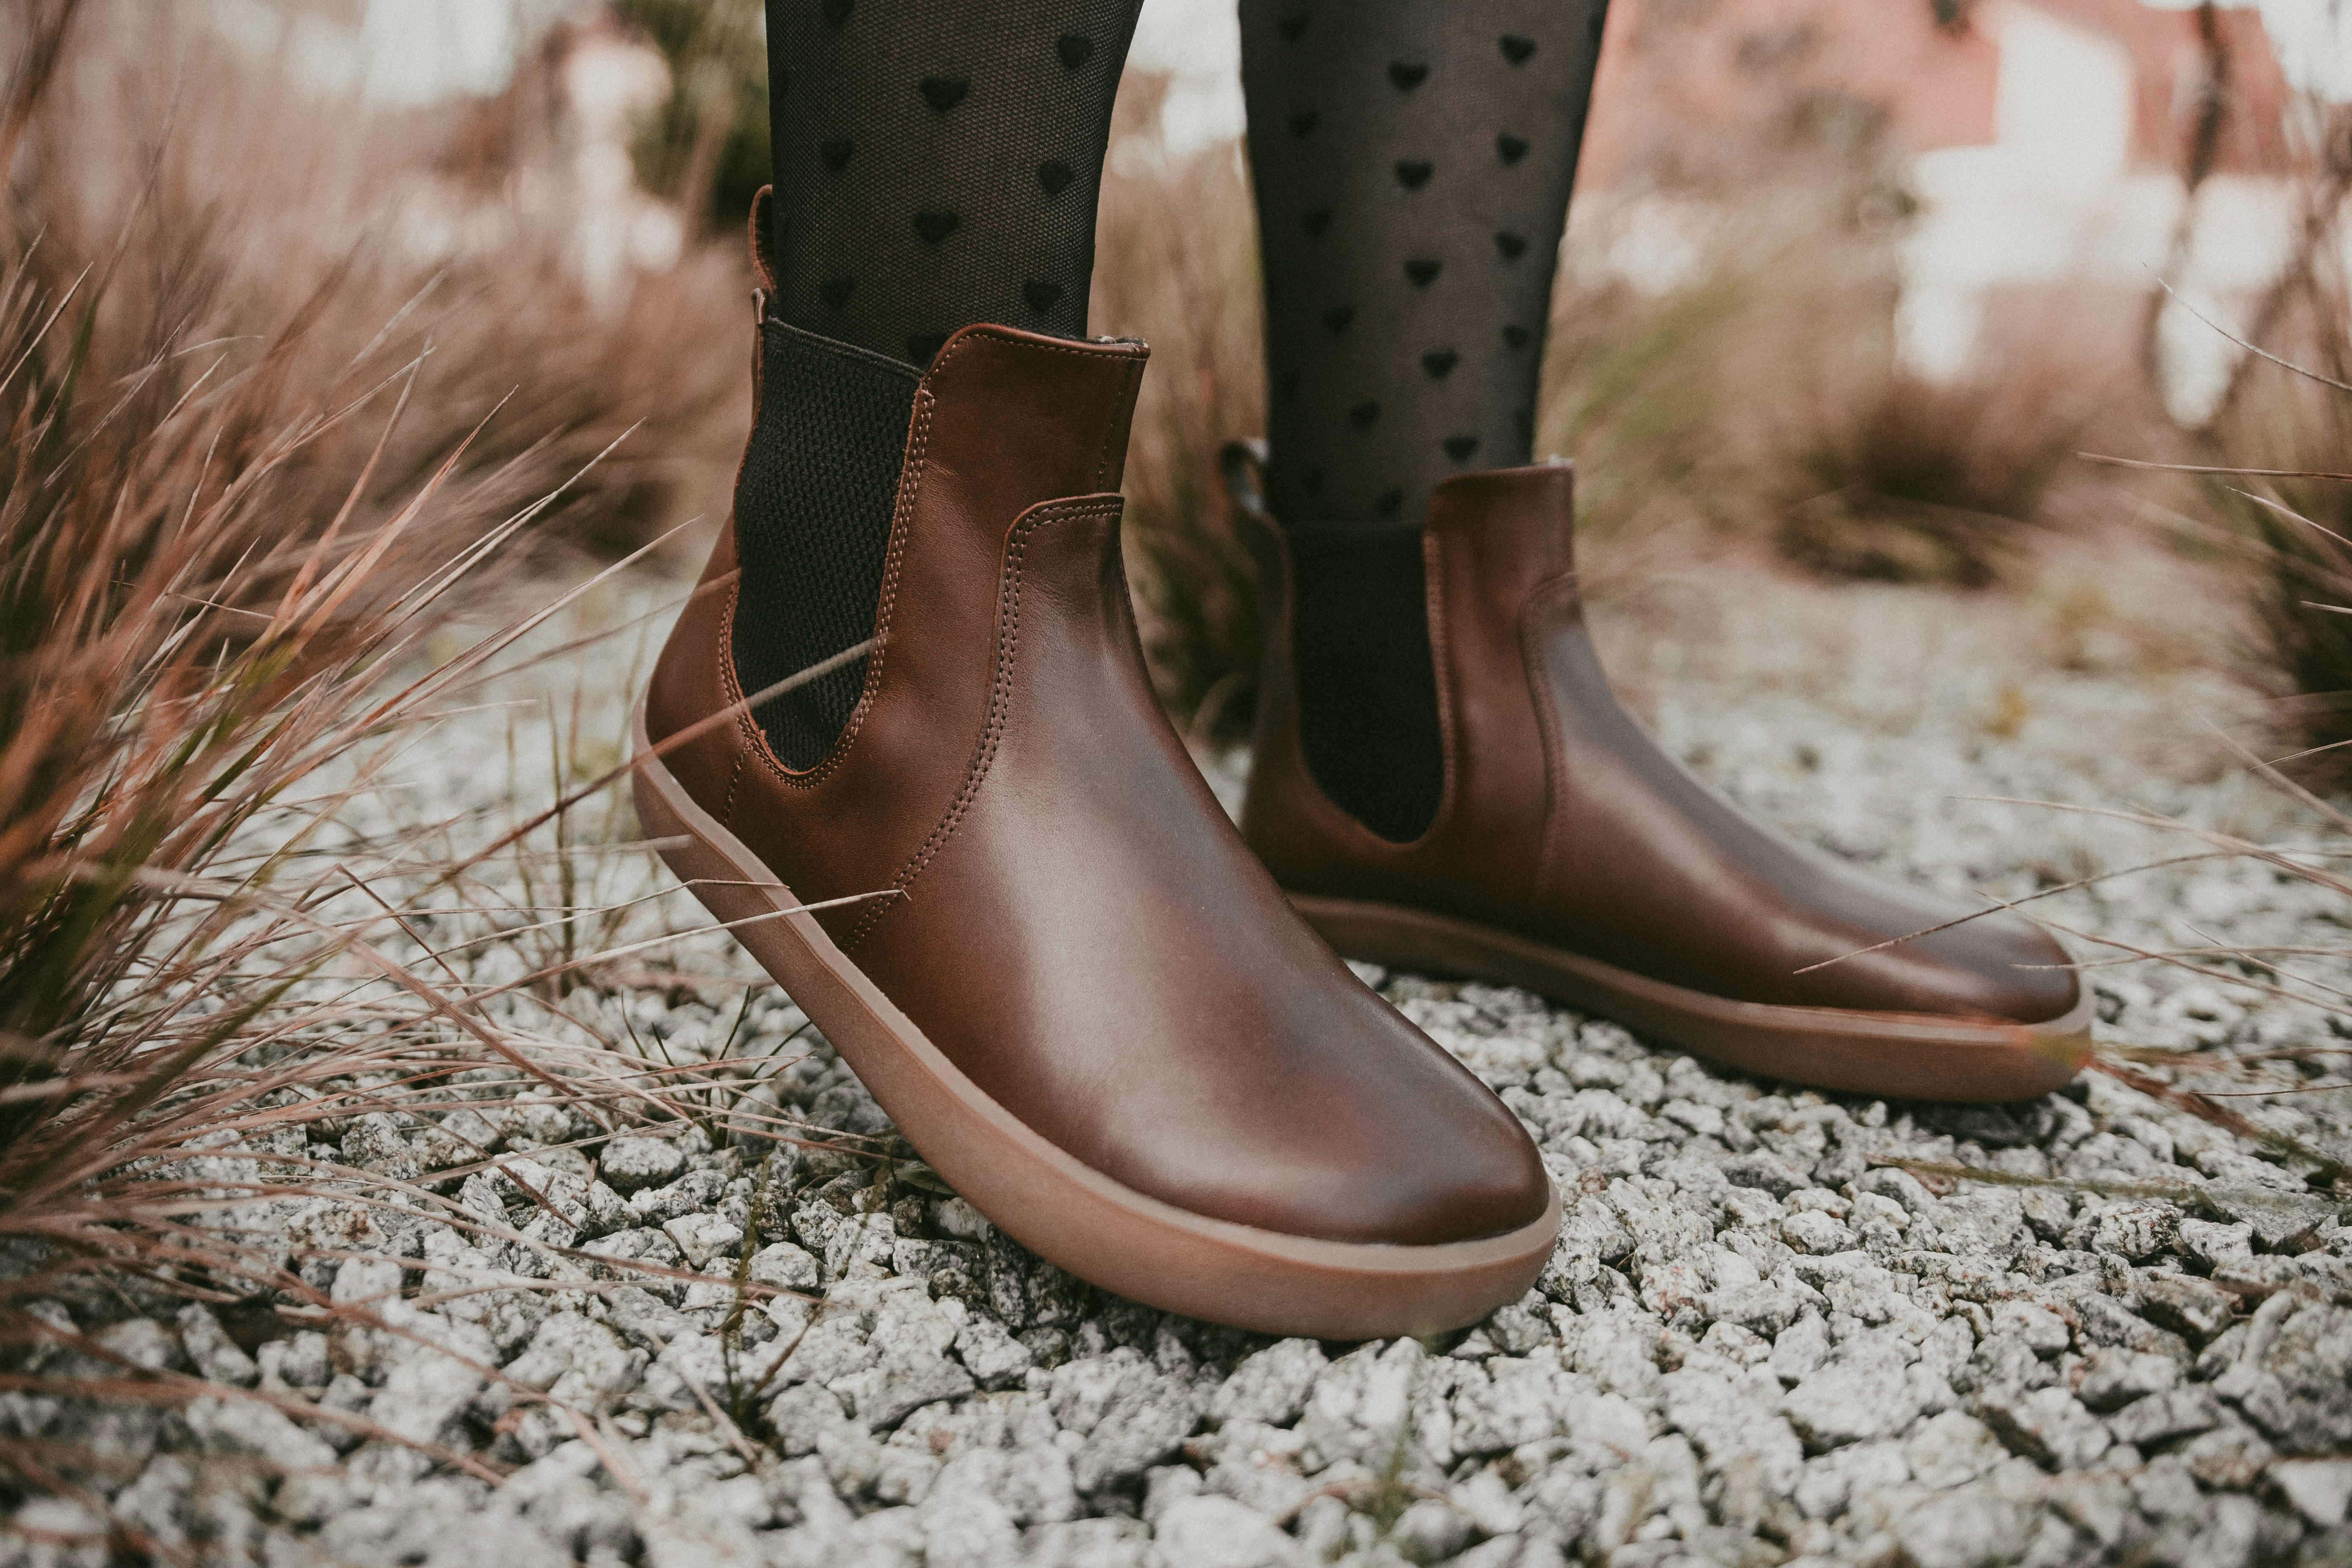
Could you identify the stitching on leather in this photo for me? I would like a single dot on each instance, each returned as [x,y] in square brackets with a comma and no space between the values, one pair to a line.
[1115,421]
[991,730]
[731,686]
[1539,689]
[1102,448]
[1000,707]
[1091,351]
[734,783]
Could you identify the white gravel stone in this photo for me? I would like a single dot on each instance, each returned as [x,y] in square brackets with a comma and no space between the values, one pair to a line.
[1147,1416]
[630,1165]
[1861,1392]
[374,1144]
[1830,1482]
[245,1426]
[955,1217]
[2110,1379]
[493,1540]
[161,1504]
[364,1281]
[2321,1490]
[1087,1544]
[784,1265]
[1953,1449]
[147,1346]
[703,1236]
[2041,1331]
[2176,1413]
[1810,1230]
[1962,1530]
[2048,1425]
[60,1532]
[1218,1532]
[216,1356]
[1798,1350]
[2189,1307]
[994,1357]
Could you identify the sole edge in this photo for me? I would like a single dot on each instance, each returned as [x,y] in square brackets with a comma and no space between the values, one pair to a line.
[1908,1055]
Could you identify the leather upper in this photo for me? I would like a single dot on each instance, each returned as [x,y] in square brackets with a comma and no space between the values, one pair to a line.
[1561,820]
[1076,924]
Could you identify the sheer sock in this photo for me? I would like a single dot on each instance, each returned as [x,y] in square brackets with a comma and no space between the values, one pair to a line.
[937,163]
[1413,166]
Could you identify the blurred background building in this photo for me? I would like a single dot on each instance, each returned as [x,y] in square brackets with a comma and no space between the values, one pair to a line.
[2051,145]
[1848,283]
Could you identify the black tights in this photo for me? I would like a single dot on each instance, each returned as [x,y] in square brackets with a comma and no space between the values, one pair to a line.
[1412,163]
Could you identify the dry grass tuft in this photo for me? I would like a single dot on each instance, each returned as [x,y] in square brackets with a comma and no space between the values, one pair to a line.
[2280,492]
[450,237]
[188,642]
[1911,481]
[2297,539]
[1710,302]
[237,506]
[707,147]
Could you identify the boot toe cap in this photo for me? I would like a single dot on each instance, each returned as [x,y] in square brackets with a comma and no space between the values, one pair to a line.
[1412,1150]
[1462,1186]
[2007,966]
[1376,1136]
[1410,1202]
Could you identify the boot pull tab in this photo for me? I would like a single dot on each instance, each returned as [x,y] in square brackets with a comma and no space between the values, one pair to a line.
[763,248]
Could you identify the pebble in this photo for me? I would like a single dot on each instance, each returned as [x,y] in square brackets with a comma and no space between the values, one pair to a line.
[2048,1425]
[2108,1380]
[629,1165]
[2321,1490]
[1963,1529]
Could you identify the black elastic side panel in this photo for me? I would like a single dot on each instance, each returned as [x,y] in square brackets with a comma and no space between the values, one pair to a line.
[812,511]
[1367,684]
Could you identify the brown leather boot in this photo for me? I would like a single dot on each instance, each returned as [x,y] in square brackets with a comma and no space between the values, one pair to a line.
[1083,999]
[1570,855]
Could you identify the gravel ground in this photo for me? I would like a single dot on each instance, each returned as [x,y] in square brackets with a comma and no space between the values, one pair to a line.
[1774,1330]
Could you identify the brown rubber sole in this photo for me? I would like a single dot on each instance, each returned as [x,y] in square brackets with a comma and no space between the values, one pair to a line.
[1903,1056]
[1065,1211]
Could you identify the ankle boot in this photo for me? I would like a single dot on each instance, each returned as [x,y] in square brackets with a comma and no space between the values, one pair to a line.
[1570,855]
[1077,993]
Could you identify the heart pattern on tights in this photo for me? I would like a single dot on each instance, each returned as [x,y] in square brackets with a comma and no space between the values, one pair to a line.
[1427,352]
[944,93]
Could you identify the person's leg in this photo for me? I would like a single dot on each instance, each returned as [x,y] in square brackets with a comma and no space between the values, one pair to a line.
[1413,164]
[937,163]
[1003,890]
